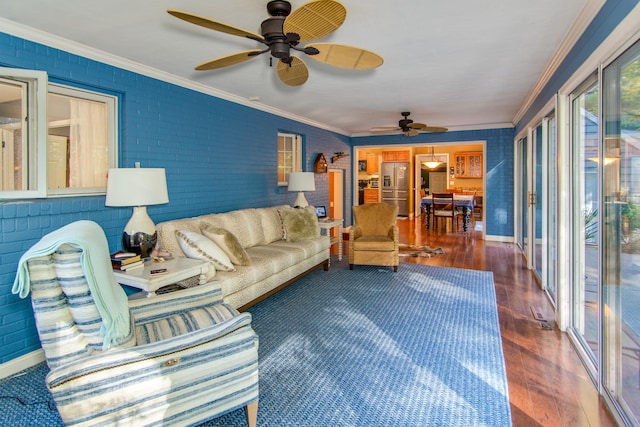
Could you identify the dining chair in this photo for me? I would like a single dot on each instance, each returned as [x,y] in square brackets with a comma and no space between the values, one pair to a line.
[477,209]
[469,193]
[443,207]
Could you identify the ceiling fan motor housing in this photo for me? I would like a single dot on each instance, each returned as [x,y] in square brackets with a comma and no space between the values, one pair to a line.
[277,41]
[404,124]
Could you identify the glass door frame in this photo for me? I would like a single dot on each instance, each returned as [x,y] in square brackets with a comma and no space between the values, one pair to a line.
[525,211]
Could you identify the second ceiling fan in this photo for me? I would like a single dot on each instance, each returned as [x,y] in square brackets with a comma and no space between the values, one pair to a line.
[283,32]
[408,127]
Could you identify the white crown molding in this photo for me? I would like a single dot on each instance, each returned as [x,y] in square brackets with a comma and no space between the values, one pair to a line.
[56,42]
[587,14]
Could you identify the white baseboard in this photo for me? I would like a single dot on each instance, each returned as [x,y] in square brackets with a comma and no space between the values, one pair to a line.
[503,239]
[21,363]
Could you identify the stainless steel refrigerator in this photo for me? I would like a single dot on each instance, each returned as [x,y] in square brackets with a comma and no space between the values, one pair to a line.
[395,185]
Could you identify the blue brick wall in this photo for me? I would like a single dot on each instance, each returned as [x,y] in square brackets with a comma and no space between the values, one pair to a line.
[218,156]
[498,199]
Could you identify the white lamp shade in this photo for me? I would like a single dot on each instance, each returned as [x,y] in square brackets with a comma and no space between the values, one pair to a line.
[302,181]
[136,187]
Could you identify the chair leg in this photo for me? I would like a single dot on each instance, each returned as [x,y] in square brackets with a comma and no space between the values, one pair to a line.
[251,411]
[350,266]
[395,268]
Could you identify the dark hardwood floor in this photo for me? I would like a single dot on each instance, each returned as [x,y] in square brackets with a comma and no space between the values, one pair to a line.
[548,385]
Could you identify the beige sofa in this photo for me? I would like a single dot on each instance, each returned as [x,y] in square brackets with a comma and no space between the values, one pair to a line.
[278,253]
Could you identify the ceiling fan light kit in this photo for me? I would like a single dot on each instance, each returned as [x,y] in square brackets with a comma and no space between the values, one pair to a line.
[283,32]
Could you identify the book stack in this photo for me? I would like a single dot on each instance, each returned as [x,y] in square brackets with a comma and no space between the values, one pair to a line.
[126,261]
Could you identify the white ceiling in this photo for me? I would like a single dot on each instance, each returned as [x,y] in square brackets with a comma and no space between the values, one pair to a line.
[458,64]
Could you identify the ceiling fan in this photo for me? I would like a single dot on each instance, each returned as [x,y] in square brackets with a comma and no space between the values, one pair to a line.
[283,32]
[409,127]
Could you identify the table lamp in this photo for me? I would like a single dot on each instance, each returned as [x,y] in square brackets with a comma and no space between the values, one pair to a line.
[137,187]
[301,182]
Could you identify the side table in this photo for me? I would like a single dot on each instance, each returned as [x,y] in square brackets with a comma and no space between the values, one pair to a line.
[177,269]
[327,224]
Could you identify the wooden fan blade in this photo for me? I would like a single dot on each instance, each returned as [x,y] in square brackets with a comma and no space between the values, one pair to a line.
[411,132]
[434,129]
[344,56]
[214,25]
[226,61]
[315,19]
[418,126]
[294,74]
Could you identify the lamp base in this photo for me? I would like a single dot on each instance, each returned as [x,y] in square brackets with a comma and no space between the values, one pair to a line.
[139,243]
[140,235]
[301,201]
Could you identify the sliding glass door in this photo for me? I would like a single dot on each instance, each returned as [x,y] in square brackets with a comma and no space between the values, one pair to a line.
[620,165]
[585,207]
[536,196]
[522,191]
[550,184]
[605,320]
[536,208]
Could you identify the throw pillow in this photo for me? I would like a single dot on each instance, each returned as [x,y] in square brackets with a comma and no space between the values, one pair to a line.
[227,242]
[300,224]
[195,245]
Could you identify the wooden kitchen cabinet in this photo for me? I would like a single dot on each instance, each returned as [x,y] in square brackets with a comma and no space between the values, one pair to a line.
[396,156]
[372,163]
[468,165]
[371,195]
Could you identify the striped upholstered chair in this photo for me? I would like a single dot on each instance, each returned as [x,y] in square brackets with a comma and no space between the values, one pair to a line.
[186,356]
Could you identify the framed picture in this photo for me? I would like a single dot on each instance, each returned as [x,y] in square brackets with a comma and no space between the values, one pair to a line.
[362,165]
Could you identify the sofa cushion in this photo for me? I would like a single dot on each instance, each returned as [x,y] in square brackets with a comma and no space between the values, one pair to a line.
[245,224]
[269,260]
[167,238]
[300,224]
[226,241]
[195,245]
[271,223]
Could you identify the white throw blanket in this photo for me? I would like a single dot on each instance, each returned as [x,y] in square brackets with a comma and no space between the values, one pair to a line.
[108,296]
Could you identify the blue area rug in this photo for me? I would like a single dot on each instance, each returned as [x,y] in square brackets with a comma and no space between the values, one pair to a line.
[420,347]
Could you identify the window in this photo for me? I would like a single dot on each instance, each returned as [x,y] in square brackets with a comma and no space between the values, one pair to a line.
[55,141]
[80,141]
[22,100]
[289,156]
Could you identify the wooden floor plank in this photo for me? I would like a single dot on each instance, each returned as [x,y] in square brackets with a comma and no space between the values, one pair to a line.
[548,386]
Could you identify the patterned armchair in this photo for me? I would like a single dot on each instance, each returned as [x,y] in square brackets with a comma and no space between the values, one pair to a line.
[186,356]
[373,238]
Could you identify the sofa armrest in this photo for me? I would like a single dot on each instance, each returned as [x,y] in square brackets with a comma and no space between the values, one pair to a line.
[354,232]
[394,234]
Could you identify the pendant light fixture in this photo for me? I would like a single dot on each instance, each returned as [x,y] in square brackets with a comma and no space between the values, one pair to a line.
[433,163]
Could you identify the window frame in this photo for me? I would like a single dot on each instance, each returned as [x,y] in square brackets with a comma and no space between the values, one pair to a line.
[36,127]
[36,130]
[296,157]
[111,102]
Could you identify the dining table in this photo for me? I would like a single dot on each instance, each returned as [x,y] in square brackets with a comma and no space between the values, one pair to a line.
[463,203]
